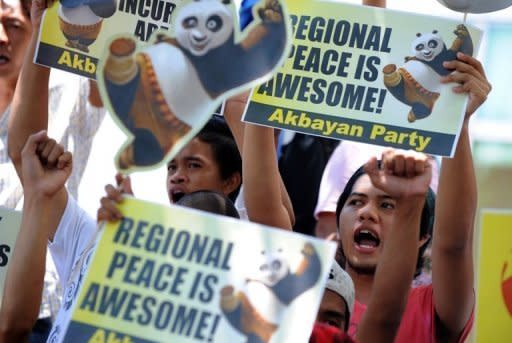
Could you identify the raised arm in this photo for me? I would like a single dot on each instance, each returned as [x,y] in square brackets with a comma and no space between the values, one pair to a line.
[265,195]
[405,176]
[452,245]
[44,182]
[29,111]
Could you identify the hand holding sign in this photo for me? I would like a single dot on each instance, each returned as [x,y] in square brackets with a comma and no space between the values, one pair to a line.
[161,94]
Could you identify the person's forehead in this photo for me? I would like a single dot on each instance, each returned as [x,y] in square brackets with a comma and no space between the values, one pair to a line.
[195,149]
[333,301]
[364,185]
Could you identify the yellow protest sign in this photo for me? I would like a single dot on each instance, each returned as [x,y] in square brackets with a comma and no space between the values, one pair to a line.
[367,74]
[494,292]
[171,274]
[10,221]
[74,32]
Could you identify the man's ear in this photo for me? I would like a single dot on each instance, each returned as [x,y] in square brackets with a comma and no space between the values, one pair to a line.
[232,183]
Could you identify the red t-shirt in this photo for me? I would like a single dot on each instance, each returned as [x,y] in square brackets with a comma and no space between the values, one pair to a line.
[418,321]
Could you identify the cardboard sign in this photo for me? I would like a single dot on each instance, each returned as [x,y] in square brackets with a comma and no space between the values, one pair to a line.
[162,93]
[74,33]
[172,274]
[494,292]
[10,222]
[367,74]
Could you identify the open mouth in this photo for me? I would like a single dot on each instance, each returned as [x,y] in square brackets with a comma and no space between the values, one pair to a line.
[177,195]
[4,59]
[366,239]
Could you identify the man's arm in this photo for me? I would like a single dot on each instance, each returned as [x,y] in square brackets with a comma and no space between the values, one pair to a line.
[408,186]
[452,245]
[265,196]
[29,111]
[25,279]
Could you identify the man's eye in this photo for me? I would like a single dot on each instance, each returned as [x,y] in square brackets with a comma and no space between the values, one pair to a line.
[14,24]
[194,165]
[388,205]
[355,202]
[171,167]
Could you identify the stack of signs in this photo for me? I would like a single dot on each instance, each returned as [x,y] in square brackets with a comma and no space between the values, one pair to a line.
[10,221]
[172,274]
[369,75]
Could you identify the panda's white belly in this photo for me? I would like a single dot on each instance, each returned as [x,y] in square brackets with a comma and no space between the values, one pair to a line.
[81,15]
[265,302]
[179,83]
[424,75]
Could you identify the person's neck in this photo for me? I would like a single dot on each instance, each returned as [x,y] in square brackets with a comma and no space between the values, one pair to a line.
[6,94]
[363,284]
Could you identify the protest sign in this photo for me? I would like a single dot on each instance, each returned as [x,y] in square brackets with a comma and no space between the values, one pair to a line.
[10,221]
[74,33]
[494,292]
[172,274]
[163,92]
[367,74]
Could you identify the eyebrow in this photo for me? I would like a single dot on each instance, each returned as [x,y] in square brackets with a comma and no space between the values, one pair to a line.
[193,158]
[381,196]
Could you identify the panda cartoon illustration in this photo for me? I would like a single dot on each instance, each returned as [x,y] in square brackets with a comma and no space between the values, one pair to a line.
[256,310]
[169,88]
[417,82]
[80,20]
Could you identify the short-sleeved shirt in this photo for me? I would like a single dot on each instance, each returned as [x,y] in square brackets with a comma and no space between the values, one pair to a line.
[418,320]
[71,249]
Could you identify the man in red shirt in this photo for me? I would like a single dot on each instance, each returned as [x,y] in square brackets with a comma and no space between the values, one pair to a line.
[402,187]
[442,311]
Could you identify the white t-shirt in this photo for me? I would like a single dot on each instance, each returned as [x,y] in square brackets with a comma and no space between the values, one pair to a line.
[71,249]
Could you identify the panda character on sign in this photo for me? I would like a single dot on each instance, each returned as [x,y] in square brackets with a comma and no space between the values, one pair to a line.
[170,88]
[417,82]
[80,20]
[257,309]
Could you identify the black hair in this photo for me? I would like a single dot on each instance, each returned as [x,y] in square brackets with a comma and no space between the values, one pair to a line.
[427,215]
[217,135]
[209,201]
[25,6]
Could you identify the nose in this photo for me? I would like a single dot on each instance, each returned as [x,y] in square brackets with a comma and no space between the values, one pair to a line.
[179,176]
[368,212]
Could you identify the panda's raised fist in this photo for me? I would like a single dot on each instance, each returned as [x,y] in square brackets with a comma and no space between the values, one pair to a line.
[461,31]
[271,12]
[308,249]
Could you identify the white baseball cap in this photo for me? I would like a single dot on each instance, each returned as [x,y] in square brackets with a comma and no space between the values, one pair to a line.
[340,282]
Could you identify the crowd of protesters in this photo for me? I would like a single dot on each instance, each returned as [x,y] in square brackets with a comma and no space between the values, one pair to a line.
[384,207]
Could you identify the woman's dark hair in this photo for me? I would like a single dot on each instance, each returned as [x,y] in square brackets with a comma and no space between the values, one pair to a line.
[427,215]
[217,135]
[210,201]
